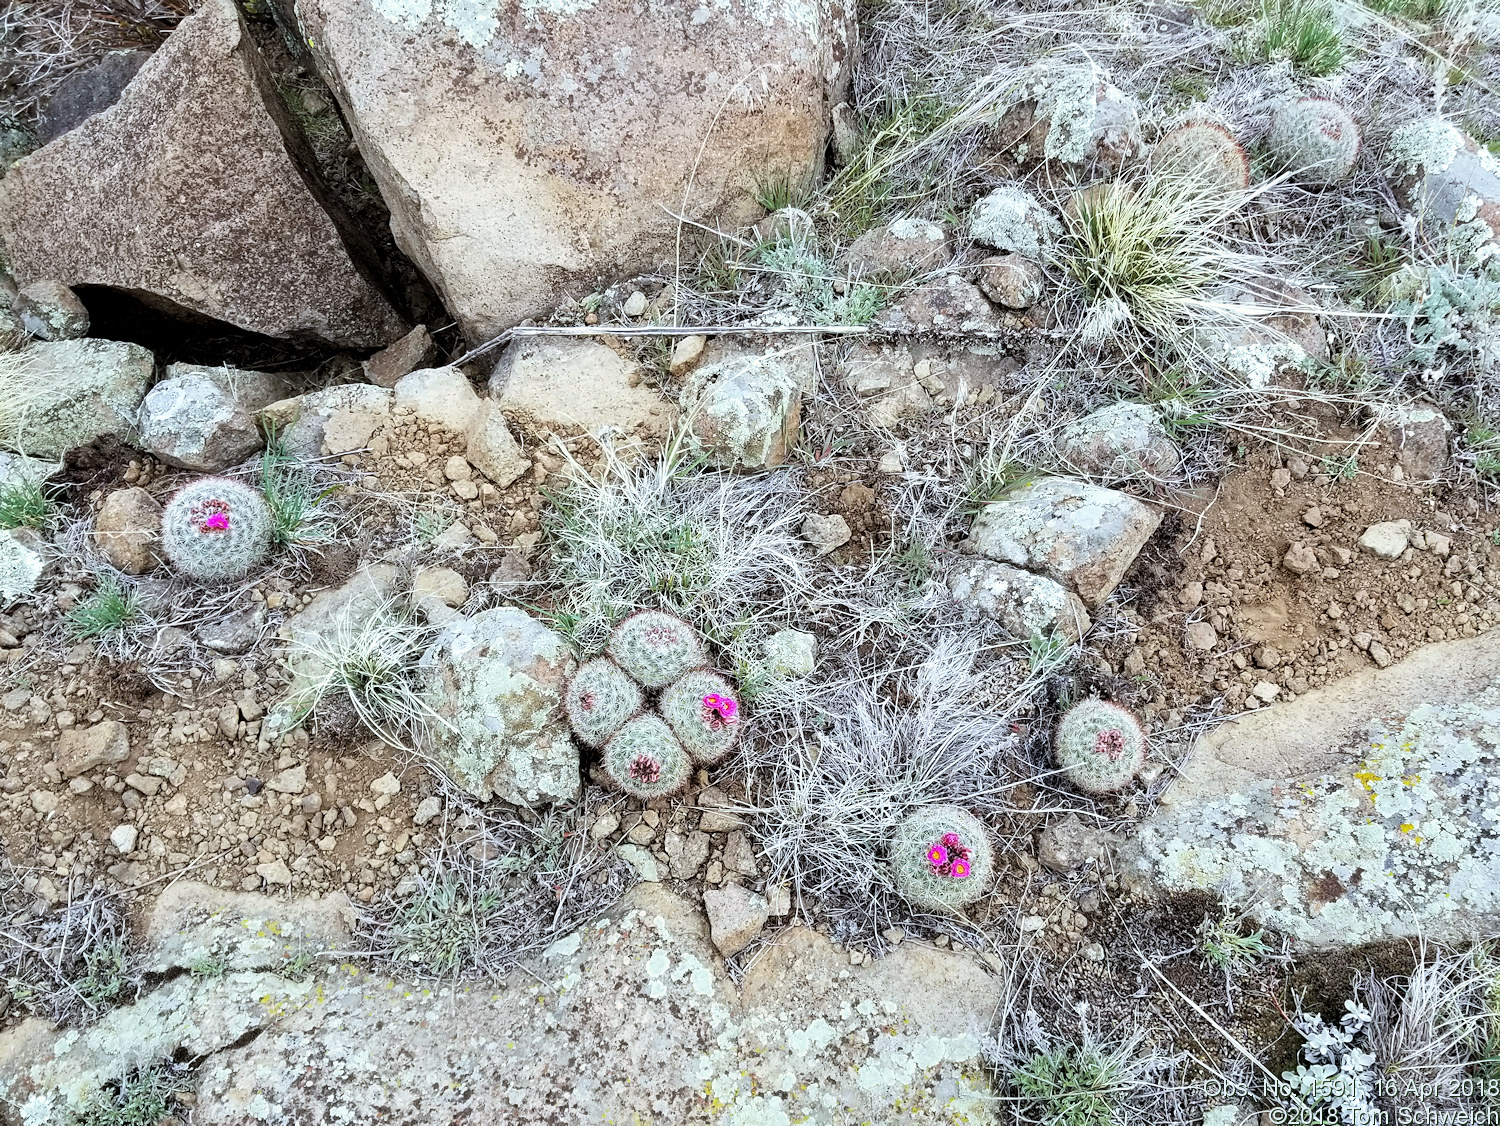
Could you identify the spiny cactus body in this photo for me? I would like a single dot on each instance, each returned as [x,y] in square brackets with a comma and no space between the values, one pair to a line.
[1205,150]
[656,648]
[942,858]
[600,700]
[1099,746]
[645,759]
[703,712]
[215,529]
[1316,138]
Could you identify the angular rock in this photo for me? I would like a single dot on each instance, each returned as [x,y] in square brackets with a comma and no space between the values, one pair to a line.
[744,404]
[1387,540]
[948,307]
[1080,535]
[558,142]
[901,246]
[234,633]
[439,395]
[23,560]
[884,377]
[1068,844]
[496,680]
[50,310]
[825,533]
[735,916]
[1011,280]
[444,584]
[1415,437]
[75,391]
[561,381]
[128,530]
[1447,176]
[1072,114]
[1025,604]
[492,449]
[345,416]
[193,422]
[81,749]
[629,1019]
[405,356]
[195,191]
[1121,442]
[1354,813]
[88,91]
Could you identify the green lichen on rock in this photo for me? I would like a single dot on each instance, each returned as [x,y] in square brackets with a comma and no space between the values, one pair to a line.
[1404,840]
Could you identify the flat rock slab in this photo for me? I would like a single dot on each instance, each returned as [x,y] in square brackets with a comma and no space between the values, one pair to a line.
[1078,534]
[1364,811]
[195,190]
[527,150]
[632,1018]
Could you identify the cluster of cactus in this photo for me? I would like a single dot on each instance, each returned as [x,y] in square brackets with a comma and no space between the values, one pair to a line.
[1206,151]
[216,529]
[656,648]
[1316,138]
[697,718]
[645,759]
[942,858]
[1100,746]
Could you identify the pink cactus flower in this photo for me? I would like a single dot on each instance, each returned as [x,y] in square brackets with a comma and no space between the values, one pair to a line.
[959,870]
[217,522]
[1110,743]
[727,707]
[937,856]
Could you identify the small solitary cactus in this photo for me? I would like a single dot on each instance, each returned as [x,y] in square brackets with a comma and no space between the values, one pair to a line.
[1316,138]
[702,711]
[1204,150]
[1100,746]
[656,648]
[215,529]
[600,700]
[942,858]
[645,759]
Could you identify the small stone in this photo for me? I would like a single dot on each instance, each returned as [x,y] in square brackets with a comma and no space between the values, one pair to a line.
[779,900]
[50,310]
[604,826]
[686,853]
[1093,952]
[457,468]
[825,533]
[642,861]
[44,801]
[1301,560]
[1281,478]
[427,810]
[441,583]
[82,749]
[735,916]
[1066,844]
[635,304]
[1439,545]
[1380,654]
[1011,280]
[276,872]
[414,350]
[1313,517]
[891,461]
[1267,657]
[123,838]
[291,781]
[1190,595]
[1265,690]
[1201,636]
[642,833]
[1385,541]
[1031,924]
[687,352]
[387,785]
[144,784]
[128,530]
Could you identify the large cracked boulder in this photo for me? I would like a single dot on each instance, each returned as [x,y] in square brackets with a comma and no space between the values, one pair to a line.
[1074,533]
[631,1018]
[494,682]
[527,150]
[1364,811]
[67,393]
[195,191]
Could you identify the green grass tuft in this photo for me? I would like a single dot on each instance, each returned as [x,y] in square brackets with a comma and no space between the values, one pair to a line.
[298,513]
[109,608]
[24,504]
[1304,32]
[1072,1086]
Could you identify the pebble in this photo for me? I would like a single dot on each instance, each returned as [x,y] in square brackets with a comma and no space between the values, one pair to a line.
[604,826]
[123,838]
[1386,541]
[1313,517]
[1300,560]
[635,304]
[387,785]
[428,809]
[1201,635]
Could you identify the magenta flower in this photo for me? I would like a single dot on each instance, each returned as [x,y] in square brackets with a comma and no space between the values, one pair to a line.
[937,856]
[712,702]
[217,522]
[727,707]
[960,869]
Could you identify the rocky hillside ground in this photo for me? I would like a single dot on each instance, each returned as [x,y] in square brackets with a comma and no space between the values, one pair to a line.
[772,564]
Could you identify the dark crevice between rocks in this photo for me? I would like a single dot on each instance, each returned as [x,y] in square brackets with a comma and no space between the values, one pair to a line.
[320,142]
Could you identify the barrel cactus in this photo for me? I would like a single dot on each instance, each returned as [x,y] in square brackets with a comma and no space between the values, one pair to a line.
[1099,746]
[215,529]
[1316,138]
[1206,151]
[600,700]
[703,713]
[645,760]
[942,858]
[656,648]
